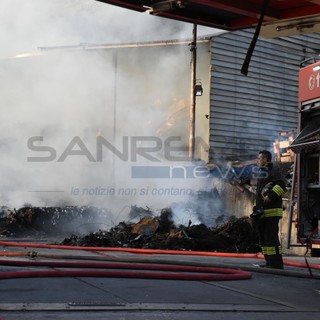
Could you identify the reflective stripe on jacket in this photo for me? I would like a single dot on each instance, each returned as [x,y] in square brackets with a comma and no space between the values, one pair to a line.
[274,208]
[273,212]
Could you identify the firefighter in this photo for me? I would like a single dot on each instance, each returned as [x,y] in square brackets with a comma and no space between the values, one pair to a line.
[268,209]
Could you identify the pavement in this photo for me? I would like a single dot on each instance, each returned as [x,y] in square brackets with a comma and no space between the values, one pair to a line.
[292,293]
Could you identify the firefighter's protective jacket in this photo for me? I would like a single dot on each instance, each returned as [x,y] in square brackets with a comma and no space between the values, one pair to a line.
[276,188]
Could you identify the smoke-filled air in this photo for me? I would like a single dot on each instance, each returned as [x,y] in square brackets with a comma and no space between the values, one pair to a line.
[85,115]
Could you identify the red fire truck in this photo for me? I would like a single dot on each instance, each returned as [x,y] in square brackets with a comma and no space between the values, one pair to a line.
[305,192]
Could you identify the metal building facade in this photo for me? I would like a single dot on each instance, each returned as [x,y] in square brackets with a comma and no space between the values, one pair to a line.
[247,113]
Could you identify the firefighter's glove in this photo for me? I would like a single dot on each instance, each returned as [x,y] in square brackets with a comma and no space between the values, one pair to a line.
[257,213]
[266,200]
[266,189]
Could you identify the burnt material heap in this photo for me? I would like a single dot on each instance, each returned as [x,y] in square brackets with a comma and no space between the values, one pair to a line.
[153,232]
[237,235]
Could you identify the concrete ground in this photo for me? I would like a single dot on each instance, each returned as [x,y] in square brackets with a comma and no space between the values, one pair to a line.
[279,294]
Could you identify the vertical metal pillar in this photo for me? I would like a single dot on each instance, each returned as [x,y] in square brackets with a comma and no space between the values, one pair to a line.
[192,94]
[114,132]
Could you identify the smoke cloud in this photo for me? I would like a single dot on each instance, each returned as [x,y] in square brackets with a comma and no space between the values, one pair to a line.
[58,104]
[27,25]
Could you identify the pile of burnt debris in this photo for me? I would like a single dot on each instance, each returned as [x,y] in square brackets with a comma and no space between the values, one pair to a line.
[50,221]
[236,235]
[156,232]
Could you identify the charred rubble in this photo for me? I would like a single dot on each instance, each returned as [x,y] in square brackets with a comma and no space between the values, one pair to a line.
[236,235]
[156,232]
[50,221]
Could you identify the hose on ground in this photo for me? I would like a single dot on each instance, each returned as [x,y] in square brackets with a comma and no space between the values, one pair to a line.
[169,272]
[101,250]
[132,250]
[153,251]
[12,254]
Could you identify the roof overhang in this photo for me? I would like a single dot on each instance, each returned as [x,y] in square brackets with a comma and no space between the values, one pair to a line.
[308,138]
[282,18]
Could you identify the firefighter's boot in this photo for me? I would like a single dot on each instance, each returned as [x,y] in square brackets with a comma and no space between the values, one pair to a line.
[275,261]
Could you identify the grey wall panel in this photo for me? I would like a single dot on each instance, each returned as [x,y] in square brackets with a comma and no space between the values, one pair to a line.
[247,113]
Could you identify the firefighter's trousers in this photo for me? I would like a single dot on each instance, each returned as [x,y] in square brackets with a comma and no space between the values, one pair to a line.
[269,241]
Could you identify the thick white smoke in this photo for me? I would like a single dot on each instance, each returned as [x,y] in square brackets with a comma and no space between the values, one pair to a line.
[54,105]
[26,25]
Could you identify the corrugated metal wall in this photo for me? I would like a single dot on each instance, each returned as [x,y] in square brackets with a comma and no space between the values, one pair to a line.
[247,113]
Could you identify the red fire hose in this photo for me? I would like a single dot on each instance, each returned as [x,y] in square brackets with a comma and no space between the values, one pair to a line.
[178,272]
[154,251]
[231,274]
[133,250]
[12,254]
